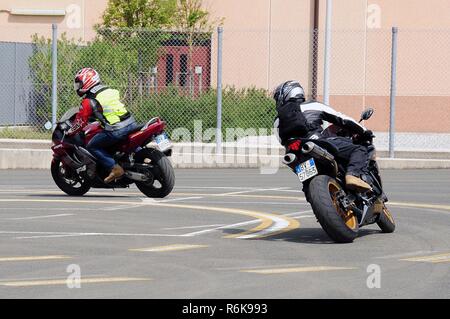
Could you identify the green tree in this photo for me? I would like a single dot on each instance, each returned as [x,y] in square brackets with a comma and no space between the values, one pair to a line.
[137,24]
[138,13]
[196,23]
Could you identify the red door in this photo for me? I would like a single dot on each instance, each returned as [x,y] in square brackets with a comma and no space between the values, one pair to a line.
[175,69]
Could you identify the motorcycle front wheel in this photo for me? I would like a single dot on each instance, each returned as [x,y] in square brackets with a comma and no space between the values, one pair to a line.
[386,221]
[68,180]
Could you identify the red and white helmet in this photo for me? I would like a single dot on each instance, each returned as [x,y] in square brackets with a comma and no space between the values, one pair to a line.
[85,79]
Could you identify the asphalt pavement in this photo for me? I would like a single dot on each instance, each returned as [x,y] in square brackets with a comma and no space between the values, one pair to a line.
[222,233]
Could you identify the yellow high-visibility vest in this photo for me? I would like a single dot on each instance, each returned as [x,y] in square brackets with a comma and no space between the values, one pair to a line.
[113,108]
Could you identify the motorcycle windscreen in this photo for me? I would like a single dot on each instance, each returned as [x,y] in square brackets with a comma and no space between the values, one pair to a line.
[69,114]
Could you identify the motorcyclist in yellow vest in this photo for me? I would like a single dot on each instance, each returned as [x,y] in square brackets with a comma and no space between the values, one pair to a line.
[104,104]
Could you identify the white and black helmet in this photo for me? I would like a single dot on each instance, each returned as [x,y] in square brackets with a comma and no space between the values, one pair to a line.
[289,90]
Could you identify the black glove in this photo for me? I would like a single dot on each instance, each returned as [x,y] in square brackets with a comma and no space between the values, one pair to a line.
[368,135]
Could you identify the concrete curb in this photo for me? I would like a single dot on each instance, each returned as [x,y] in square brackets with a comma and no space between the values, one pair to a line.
[267,159]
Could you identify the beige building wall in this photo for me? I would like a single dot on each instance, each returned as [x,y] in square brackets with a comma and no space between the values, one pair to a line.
[268,41]
[80,17]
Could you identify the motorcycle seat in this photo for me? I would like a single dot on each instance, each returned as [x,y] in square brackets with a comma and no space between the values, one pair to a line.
[138,128]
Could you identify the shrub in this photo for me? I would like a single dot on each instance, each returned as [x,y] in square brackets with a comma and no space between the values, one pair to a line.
[119,62]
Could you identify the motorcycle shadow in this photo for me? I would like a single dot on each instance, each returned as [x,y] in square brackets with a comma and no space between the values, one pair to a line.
[302,235]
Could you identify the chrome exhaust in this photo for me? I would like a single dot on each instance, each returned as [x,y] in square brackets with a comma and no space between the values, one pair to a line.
[319,153]
[138,177]
[289,158]
[316,151]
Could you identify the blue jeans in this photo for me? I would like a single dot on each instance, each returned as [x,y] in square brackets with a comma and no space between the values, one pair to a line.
[105,139]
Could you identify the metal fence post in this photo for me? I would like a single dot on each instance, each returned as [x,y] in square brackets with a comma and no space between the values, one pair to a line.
[326,76]
[15,83]
[54,72]
[219,90]
[393,92]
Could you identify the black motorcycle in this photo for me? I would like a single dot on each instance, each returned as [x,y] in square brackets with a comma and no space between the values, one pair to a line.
[340,211]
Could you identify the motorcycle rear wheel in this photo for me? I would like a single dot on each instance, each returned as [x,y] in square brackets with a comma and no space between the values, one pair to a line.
[340,225]
[65,183]
[161,171]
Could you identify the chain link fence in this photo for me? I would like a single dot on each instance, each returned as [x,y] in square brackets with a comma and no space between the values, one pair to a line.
[174,75]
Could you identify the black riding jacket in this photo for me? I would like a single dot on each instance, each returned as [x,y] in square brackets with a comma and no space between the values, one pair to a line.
[306,120]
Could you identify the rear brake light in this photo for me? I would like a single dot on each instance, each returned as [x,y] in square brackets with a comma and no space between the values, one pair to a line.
[295,145]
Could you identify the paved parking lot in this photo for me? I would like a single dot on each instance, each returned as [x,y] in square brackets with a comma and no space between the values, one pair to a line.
[230,233]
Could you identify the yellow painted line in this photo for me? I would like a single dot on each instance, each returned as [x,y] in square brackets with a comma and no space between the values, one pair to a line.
[440,258]
[170,248]
[264,225]
[293,198]
[441,261]
[295,269]
[33,258]
[418,205]
[29,283]
[266,218]
[260,231]
[292,225]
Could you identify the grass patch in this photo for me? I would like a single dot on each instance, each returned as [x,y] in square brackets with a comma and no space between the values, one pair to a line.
[27,133]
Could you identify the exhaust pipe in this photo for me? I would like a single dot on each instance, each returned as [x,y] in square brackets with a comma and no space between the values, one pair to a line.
[316,151]
[319,153]
[138,177]
[289,158]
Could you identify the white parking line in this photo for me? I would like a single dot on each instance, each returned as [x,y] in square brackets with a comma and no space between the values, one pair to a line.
[253,191]
[208,201]
[39,217]
[173,247]
[273,227]
[190,227]
[120,207]
[46,209]
[201,232]
[147,200]
[214,187]
[265,219]
[75,234]
[278,225]
[177,199]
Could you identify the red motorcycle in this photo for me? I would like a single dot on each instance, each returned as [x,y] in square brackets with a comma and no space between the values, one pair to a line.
[75,170]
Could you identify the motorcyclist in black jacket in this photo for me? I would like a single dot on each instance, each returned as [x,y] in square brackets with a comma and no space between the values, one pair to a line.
[297,118]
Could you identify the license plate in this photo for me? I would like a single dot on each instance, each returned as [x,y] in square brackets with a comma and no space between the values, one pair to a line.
[306,170]
[163,142]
